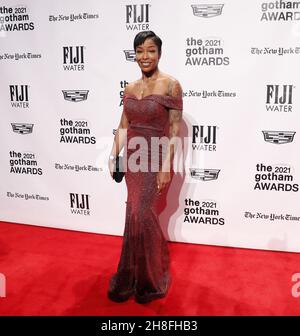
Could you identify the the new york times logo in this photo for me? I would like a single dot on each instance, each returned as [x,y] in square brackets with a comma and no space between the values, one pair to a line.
[207,10]
[73,58]
[80,204]
[137,17]
[75,95]
[19,96]
[204,138]
[22,128]
[279,98]
[279,137]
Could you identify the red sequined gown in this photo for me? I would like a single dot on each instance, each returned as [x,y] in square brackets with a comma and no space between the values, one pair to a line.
[143,269]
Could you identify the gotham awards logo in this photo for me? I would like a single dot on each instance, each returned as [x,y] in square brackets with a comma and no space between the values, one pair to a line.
[123,84]
[24,163]
[15,18]
[202,212]
[275,178]
[205,52]
[76,132]
[280,11]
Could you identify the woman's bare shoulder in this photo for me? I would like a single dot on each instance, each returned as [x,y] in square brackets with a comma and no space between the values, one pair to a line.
[171,82]
[174,86]
[130,87]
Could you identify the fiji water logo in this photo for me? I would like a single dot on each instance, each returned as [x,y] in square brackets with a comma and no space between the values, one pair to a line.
[19,96]
[79,204]
[280,98]
[73,58]
[137,17]
[204,137]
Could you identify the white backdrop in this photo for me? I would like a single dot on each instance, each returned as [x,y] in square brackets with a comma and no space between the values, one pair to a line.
[63,68]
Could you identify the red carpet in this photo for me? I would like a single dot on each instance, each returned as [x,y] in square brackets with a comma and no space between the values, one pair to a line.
[61,272]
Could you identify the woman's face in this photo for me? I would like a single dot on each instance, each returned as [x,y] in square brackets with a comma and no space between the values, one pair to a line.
[147,55]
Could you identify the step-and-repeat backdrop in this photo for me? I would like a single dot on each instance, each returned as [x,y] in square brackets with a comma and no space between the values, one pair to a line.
[64,66]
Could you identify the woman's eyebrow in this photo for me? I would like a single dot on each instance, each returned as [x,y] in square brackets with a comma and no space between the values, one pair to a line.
[151,46]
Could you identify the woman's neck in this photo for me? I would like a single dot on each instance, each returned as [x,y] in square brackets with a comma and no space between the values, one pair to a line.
[150,76]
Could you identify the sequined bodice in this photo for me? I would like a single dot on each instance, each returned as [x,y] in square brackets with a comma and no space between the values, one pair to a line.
[150,112]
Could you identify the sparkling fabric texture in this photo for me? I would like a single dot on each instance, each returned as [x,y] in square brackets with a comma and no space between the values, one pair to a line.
[143,269]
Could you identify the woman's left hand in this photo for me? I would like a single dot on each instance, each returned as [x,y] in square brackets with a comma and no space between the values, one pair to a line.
[162,179]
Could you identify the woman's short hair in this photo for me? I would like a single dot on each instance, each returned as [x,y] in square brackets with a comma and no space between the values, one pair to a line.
[143,35]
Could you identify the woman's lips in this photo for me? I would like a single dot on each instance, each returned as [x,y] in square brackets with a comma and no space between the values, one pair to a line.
[145,64]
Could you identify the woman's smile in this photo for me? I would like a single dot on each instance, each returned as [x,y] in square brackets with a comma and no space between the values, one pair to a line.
[147,55]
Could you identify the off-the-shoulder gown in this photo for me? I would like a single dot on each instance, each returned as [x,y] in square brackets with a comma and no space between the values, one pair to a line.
[144,265]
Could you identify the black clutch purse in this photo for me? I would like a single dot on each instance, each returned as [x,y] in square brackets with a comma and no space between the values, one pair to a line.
[118,173]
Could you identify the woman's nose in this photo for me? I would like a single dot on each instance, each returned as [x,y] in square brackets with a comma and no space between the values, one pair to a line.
[145,55]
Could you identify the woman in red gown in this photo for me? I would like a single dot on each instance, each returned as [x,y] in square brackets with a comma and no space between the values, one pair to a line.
[152,107]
